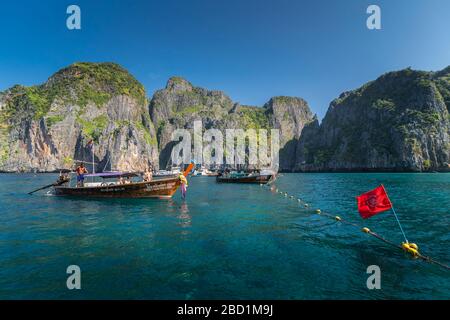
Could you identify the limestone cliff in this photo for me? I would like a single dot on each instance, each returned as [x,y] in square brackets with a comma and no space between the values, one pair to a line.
[399,122]
[47,127]
[290,115]
[181,103]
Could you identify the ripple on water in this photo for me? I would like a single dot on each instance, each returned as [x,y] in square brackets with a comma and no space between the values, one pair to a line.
[225,241]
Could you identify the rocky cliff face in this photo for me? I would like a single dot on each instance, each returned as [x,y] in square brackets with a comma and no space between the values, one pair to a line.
[180,104]
[398,122]
[290,115]
[47,127]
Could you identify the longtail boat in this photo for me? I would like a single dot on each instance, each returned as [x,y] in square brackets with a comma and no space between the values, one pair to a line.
[156,188]
[259,177]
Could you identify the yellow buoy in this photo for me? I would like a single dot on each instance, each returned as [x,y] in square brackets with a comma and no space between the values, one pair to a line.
[318,211]
[414,252]
[366,230]
[338,218]
[411,248]
[414,246]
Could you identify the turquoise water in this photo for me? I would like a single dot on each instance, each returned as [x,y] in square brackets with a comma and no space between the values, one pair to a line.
[225,241]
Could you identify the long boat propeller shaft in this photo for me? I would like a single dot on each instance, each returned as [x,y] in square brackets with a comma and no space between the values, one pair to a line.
[50,185]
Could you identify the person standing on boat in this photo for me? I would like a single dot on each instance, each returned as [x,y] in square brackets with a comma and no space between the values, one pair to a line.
[184,184]
[81,171]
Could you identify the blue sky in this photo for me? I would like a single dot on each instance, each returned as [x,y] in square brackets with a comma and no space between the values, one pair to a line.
[251,49]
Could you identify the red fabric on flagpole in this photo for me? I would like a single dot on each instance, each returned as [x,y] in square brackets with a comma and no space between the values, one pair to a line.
[373,202]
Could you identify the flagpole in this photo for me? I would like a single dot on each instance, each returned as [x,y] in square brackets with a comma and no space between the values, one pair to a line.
[399,224]
[395,215]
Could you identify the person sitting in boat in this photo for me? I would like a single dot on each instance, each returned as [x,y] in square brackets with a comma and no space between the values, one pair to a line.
[127,180]
[81,171]
[63,178]
[120,180]
[148,175]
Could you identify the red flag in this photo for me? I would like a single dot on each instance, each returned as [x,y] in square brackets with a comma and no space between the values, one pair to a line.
[373,202]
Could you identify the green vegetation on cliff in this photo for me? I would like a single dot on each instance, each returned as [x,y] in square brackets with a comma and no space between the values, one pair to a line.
[442,80]
[4,146]
[149,138]
[79,84]
[17,103]
[285,100]
[96,82]
[190,110]
[399,120]
[51,120]
[94,128]
[254,117]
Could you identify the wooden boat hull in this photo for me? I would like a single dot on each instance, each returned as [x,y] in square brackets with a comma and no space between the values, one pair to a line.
[248,179]
[160,188]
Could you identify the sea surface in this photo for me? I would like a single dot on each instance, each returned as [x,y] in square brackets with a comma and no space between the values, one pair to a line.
[226,241]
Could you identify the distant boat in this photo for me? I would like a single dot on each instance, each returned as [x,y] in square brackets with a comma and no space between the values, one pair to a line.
[204,172]
[174,171]
[256,176]
[122,187]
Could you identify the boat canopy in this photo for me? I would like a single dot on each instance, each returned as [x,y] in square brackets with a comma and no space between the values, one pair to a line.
[111,175]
